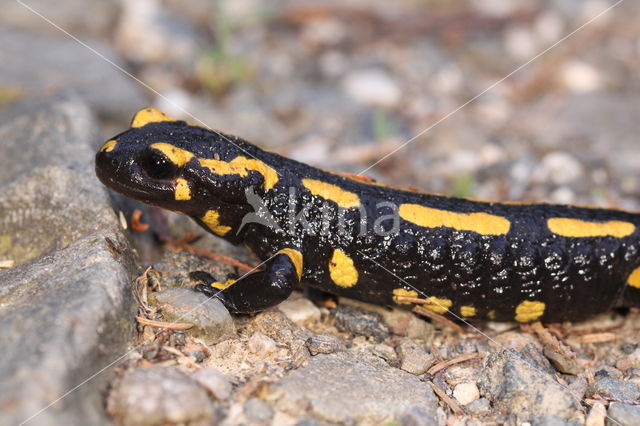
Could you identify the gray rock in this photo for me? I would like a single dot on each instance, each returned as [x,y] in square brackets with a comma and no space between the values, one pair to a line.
[516,386]
[551,420]
[416,416]
[342,388]
[48,210]
[479,406]
[57,133]
[614,388]
[258,410]
[66,315]
[358,321]
[385,352]
[218,384]
[414,357]
[159,395]
[59,60]
[324,344]
[620,414]
[212,321]
[280,328]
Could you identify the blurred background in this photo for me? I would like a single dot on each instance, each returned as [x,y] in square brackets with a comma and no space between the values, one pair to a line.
[340,84]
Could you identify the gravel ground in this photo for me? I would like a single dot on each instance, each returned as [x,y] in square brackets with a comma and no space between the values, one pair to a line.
[340,85]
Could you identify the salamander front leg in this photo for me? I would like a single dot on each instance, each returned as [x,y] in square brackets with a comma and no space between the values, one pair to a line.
[260,290]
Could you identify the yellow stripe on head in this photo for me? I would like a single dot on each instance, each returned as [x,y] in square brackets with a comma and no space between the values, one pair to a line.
[241,166]
[149,115]
[177,156]
[182,191]
[108,146]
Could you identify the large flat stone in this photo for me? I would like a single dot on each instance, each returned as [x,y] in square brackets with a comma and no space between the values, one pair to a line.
[66,310]
[67,316]
[346,388]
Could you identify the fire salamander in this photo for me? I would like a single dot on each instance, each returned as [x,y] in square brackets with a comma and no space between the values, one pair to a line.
[356,238]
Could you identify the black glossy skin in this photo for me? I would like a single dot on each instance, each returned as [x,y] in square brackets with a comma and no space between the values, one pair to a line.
[573,277]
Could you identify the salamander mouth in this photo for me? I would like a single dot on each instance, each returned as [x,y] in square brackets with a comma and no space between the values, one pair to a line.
[152,192]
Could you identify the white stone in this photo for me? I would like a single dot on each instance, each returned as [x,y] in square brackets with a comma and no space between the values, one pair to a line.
[560,168]
[466,392]
[549,27]
[372,87]
[300,311]
[521,43]
[261,344]
[580,77]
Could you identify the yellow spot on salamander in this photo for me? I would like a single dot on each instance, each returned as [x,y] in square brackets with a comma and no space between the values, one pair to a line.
[581,228]
[344,199]
[212,219]
[182,191]
[149,115]
[221,286]
[401,292]
[176,155]
[467,311]
[241,166]
[296,259]
[108,146]
[529,311]
[482,223]
[437,305]
[341,269]
[491,315]
[634,278]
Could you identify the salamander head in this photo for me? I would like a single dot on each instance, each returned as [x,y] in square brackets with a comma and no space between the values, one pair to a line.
[178,166]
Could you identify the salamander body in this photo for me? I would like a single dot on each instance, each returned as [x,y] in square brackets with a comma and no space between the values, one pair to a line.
[360,239]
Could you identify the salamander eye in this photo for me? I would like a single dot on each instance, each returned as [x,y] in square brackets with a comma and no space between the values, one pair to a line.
[158,166]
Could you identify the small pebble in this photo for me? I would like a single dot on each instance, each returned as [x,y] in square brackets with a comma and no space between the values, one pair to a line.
[212,321]
[551,420]
[358,321]
[159,395]
[597,415]
[560,168]
[372,87]
[300,310]
[385,352]
[218,384]
[481,405]
[324,344]
[261,345]
[258,410]
[415,358]
[580,77]
[622,414]
[609,387]
[466,393]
